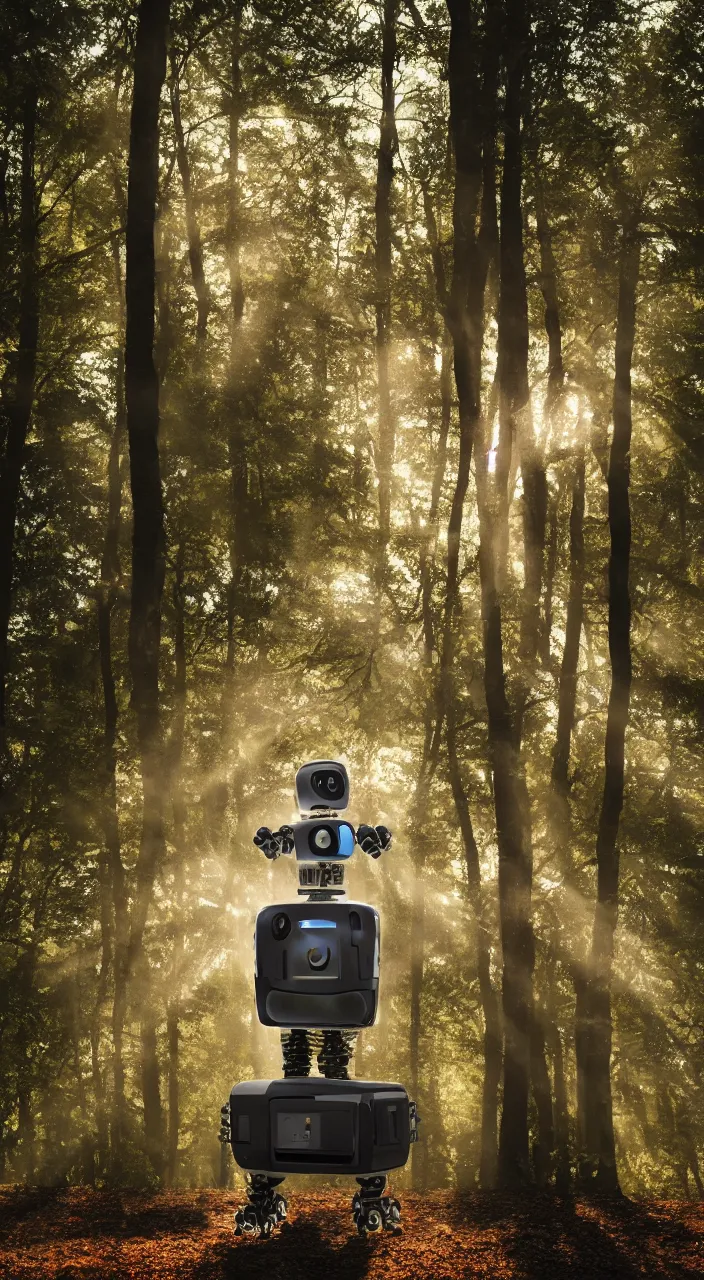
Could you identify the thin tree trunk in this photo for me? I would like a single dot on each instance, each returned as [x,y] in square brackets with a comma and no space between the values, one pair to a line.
[473,88]
[26,1125]
[493,1054]
[235,403]
[510,798]
[87,1141]
[429,542]
[548,288]
[417,967]
[550,567]
[17,400]
[178,862]
[114,923]
[595,1011]
[195,244]
[151,1090]
[148,538]
[388,146]
[542,1095]
[430,753]
[173,1048]
[567,697]
[562,1126]
[464,312]
[533,632]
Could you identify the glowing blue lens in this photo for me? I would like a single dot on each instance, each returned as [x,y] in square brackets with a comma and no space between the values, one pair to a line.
[317,924]
[346,838]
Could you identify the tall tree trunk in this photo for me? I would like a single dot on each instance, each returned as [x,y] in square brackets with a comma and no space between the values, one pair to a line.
[114,920]
[595,1031]
[195,244]
[235,404]
[555,387]
[17,400]
[388,146]
[473,77]
[465,303]
[148,539]
[535,497]
[178,863]
[430,752]
[510,799]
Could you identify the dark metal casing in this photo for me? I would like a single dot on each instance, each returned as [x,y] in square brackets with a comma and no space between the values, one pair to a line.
[313,1125]
[323,840]
[317,964]
[322,784]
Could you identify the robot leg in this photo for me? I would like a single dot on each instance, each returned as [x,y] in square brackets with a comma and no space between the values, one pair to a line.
[266,1207]
[372,1210]
[335,1053]
[297,1053]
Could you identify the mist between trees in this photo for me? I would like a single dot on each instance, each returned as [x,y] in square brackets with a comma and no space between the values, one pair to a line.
[351,406]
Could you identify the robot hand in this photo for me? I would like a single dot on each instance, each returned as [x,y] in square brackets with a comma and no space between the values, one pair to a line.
[373,840]
[274,843]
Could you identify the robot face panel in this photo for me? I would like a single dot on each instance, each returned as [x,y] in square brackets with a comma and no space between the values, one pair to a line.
[317,964]
[322,784]
[330,840]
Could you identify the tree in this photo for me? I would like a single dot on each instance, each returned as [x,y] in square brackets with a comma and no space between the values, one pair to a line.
[142,402]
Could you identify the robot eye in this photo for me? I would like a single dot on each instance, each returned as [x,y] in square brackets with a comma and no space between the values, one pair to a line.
[328,784]
[324,841]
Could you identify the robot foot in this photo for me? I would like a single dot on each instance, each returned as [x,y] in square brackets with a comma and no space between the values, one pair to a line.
[266,1208]
[372,1211]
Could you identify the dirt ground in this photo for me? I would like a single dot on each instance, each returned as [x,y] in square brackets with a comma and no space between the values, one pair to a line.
[78,1234]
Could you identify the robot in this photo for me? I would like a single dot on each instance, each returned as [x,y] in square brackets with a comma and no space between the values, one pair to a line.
[317,980]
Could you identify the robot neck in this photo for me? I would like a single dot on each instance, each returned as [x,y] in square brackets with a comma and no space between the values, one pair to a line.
[322,881]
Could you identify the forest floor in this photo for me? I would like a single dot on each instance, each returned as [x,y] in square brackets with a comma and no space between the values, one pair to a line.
[78,1234]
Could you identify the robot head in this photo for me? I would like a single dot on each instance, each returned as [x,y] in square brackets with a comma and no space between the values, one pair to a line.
[322,784]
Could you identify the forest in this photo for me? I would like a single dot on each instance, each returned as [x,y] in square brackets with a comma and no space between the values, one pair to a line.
[352,406]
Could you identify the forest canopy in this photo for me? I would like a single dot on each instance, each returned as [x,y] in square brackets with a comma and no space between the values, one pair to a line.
[352,406]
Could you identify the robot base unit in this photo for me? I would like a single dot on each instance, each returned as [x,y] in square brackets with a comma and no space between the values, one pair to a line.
[317,966]
[314,1125]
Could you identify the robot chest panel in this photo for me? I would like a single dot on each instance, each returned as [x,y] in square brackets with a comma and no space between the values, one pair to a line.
[328,839]
[312,952]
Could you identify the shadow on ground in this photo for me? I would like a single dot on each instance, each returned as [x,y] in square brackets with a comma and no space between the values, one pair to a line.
[298,1251]
[547,1237]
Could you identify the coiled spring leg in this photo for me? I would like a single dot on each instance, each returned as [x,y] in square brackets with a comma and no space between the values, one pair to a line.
[297,1054]
[335,1052]
[333,1049]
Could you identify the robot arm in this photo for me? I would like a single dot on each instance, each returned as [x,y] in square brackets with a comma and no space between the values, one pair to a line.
[373,840]
[274,843]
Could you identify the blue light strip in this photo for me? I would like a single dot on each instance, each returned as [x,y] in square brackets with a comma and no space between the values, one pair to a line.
[317,924]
